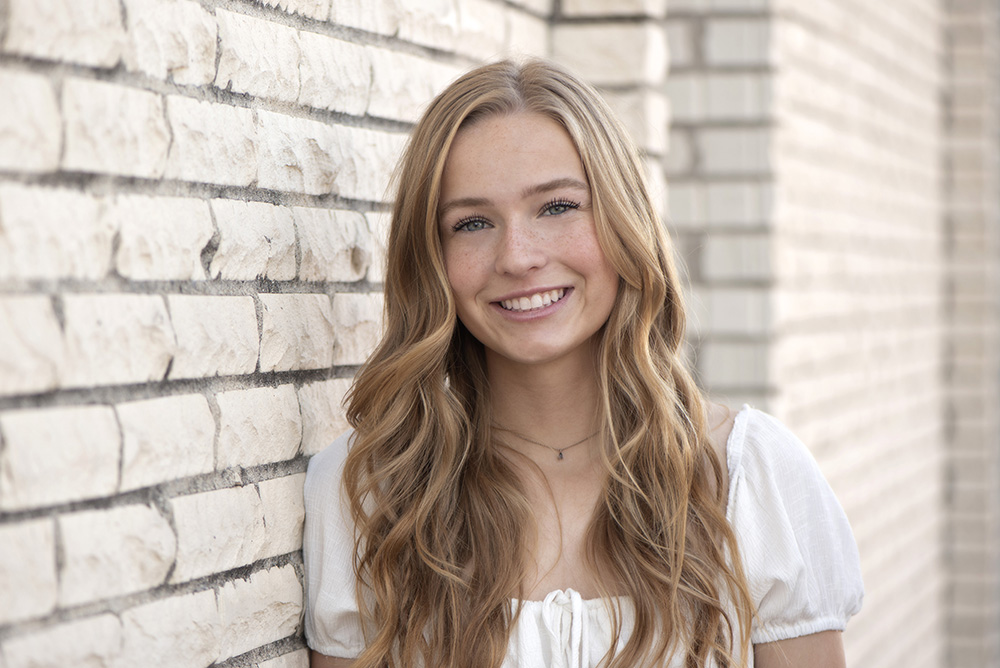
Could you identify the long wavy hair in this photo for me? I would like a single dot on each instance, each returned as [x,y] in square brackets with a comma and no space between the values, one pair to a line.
[440,512]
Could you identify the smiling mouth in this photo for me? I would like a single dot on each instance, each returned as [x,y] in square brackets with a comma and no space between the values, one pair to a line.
[535,301]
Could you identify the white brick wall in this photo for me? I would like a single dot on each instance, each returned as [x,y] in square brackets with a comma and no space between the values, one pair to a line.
[844,260]
[192,220]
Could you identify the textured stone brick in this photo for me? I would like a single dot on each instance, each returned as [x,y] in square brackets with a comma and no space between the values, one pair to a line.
[736,311]
[94,642]
[612,53]
[30,124]
[113,552]
[300,155]
[740,5]
[54,455]
[737,203]
[185,628]
[314,9]
[368,160]
[645,116]
[526,34]
[686,204]
[574,8]
[284,512]
[402,84]
[431,23]
[259,610]
[359,324]
[165,439]
[680,154]
[88,32]
[737,96]
[30,345]
[114,339]
[378,16]
[112,129]
[738,42]
[681,44]
[27,570]
[323,418]
[483,27]
[161,238]
[735,150]
[298,332]
[258,57]
[734,365]
[258,426]
[378,229]
[217,531]
[256,240]
[212,143]
[657,179]
[296,659]
[687,96]
[170,39]
[216,336]
[735,256]
[538,7]
[50,233]
[334,245]
[334,74]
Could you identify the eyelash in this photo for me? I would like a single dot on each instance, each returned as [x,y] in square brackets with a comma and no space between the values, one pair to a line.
[460,225]
[568,204]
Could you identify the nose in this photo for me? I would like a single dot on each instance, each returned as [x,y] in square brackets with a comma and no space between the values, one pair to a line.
[520,249]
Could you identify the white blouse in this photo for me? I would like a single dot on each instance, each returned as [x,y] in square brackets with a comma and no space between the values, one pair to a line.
[797,548]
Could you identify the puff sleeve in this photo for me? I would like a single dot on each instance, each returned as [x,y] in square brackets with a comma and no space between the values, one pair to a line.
[332,622]
[797,548]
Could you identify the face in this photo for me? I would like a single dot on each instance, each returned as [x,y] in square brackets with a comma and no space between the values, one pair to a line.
[529,277]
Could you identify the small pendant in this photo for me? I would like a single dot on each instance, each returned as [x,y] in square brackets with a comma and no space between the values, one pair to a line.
[560,454]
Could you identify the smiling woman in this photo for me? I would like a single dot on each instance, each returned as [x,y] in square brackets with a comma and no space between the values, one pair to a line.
[529,277]
[533,478]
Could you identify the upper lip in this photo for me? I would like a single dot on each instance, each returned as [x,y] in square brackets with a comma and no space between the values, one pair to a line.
[529,292]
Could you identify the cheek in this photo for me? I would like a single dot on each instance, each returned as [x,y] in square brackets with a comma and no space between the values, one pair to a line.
[462,275]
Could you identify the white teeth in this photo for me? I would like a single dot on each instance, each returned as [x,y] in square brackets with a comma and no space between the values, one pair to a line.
[535,301]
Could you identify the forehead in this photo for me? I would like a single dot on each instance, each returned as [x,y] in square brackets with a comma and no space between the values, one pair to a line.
[509,152]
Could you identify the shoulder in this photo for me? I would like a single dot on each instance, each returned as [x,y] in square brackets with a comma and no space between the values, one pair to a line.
[326,467]
[759,445]
[795,543]
[327,512]
[332,624]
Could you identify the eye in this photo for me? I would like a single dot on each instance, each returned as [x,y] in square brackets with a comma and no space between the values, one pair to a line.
[558,206]
[471,224]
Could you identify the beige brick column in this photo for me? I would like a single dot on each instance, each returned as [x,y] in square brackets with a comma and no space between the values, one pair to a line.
[721,188]
[972,351]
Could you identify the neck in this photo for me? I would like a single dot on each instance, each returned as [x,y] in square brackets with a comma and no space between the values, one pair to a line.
[556,404]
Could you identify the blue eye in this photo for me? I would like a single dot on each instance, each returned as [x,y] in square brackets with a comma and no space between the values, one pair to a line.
[558,206]
[471,224]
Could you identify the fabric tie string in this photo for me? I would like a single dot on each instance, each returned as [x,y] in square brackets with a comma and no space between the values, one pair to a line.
[563,615]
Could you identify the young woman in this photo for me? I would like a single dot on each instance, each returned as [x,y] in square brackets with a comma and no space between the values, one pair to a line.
[533,478]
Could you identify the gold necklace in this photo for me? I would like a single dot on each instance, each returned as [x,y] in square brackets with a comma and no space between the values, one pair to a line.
[558,451]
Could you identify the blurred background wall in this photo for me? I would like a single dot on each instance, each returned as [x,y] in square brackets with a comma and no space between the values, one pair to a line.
[834,185]
[192,202]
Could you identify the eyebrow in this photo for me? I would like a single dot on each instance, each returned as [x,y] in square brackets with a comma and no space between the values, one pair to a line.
[548,186]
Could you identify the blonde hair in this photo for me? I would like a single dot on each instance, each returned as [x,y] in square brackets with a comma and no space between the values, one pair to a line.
[439,511]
